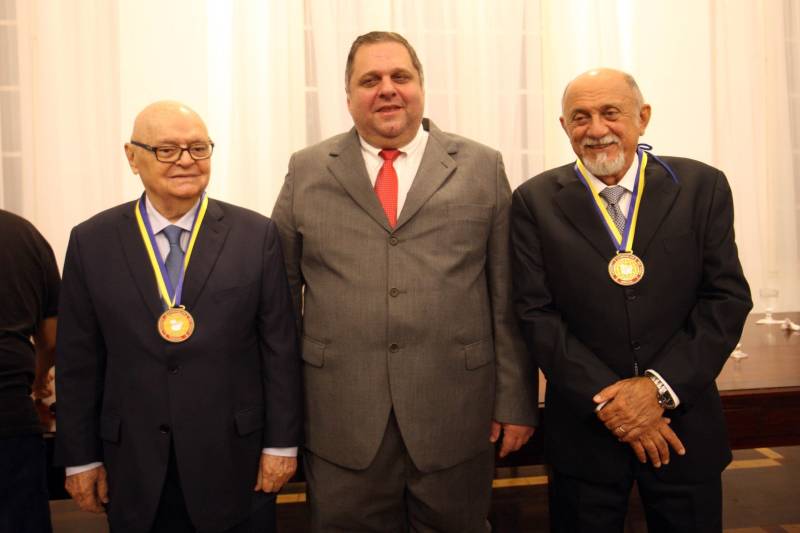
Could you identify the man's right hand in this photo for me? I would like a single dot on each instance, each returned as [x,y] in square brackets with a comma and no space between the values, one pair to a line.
[89,489]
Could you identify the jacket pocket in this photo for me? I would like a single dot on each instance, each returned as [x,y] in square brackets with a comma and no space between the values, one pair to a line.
[685,243]
[249,420]
[466,229]
[313,352]
[230,293]
[482,213]
[109,428]
[479,354]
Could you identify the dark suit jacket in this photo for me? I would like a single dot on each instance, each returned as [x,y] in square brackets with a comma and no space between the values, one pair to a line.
[586,332]
[232,388]
[418,318]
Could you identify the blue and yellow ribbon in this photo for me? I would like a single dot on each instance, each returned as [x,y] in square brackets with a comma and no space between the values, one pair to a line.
[171,297]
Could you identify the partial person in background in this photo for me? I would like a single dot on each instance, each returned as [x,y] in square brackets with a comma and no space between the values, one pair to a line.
[396,236]
[29,285]
[179,404]
[631,296]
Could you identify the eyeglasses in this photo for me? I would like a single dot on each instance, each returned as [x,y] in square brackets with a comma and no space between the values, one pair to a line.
[169,153]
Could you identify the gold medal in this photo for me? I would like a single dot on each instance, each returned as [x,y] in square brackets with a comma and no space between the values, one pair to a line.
[626,269]
[175,324]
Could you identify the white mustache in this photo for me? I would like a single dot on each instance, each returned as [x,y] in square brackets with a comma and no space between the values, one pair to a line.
[605,139]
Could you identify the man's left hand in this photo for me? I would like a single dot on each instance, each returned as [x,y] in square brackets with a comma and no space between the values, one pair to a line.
[632,406]
[274,471]
[655,442]
[514,436]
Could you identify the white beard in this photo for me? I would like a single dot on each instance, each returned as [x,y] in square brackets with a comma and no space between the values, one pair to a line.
[603,166]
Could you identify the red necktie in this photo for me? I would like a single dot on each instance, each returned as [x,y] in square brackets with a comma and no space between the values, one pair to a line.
[386,185]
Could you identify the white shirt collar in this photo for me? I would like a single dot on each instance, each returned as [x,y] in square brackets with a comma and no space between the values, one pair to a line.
[626,182]
[158,221]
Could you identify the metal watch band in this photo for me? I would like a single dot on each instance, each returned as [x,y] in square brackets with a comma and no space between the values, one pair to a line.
[665,399]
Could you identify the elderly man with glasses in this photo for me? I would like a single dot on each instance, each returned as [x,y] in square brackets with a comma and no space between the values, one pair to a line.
[179,375]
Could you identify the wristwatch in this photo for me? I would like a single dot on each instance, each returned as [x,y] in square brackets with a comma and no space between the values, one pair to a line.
[665,399]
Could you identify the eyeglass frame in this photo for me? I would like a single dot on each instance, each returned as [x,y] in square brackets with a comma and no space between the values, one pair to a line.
[154,150]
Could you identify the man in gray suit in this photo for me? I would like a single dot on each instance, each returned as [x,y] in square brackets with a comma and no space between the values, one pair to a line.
[396,239]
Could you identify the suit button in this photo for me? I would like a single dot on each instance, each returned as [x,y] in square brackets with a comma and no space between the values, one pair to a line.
[394,348]
[393,241]
[394,292]
[173,369]
[630,294]
[163,429]
[635,345]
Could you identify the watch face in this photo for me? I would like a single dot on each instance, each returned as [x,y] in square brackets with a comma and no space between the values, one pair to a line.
[664,400]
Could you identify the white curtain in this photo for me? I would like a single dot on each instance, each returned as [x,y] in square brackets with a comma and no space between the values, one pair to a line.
[88,66]
[269,79]
[753,142]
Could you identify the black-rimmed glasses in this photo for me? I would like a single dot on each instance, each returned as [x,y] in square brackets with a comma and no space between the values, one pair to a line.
[169,153]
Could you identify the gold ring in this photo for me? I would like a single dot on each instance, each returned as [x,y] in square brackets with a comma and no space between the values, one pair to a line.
[621,430]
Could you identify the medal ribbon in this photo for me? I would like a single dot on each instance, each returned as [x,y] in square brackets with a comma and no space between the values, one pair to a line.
[623,242]
[160,270]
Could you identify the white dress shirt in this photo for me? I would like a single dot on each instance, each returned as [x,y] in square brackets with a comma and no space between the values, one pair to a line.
[406,164]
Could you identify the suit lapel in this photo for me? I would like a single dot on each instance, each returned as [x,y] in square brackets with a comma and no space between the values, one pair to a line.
[576,203]
[435,167]
[137,260]
[207,249]
[347,166]
[660,193]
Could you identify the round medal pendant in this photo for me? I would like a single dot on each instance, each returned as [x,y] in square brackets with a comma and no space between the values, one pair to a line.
[626,269]
[175,324]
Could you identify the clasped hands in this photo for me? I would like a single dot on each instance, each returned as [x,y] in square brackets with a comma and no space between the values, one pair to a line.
[632,414]
[89,489]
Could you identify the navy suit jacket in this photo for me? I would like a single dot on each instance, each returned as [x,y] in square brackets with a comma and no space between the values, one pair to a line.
[586,332]
[232,388]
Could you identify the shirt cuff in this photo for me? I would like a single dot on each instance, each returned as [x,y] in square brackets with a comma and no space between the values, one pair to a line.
[72,470]
[281,452]
[675,400]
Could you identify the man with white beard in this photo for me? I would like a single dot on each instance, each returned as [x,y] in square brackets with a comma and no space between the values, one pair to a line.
[630,296]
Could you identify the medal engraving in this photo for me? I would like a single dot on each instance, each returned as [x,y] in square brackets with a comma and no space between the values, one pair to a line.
[626,269]
[175,324]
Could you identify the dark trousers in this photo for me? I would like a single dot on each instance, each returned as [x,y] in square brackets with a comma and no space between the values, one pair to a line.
[24,504]
[578,505]
[392,495]
[173,517]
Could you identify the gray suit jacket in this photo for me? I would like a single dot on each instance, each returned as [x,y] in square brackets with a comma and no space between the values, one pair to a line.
[417,319]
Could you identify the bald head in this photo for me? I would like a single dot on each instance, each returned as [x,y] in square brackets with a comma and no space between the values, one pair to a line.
[604,76]
[153,119]
[604,114]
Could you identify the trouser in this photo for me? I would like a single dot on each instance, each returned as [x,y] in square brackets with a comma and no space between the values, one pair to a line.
[578,505]
[24,503]
[392,495]
[173,517]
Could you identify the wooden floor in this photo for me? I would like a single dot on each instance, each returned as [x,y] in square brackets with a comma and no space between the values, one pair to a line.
[760,491]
